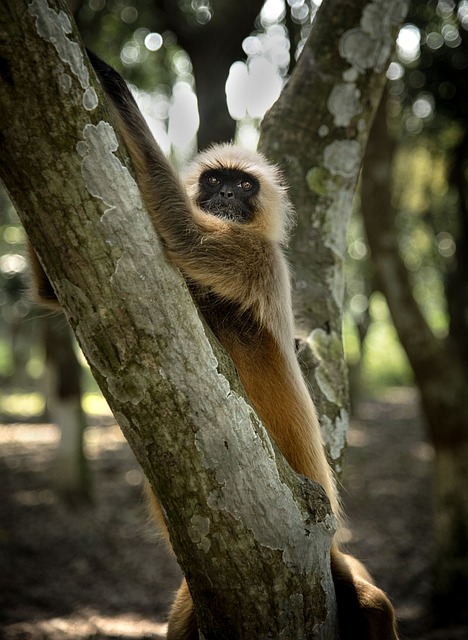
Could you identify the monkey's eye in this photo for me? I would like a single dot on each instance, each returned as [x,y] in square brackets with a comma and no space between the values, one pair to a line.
[246,185]
[213,181]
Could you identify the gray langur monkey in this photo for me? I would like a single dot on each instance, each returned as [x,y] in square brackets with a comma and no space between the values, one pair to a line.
[226,230]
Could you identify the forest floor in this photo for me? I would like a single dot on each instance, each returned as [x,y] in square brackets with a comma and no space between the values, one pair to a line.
[99,572]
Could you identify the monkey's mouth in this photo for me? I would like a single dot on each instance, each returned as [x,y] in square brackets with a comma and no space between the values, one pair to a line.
[227,209]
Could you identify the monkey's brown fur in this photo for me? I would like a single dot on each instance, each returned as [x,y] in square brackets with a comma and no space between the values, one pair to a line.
[239,278]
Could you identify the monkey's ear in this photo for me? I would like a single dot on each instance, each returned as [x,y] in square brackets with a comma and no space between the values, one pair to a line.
[42,289]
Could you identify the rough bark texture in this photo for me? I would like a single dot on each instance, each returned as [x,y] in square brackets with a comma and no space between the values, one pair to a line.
[330,101]
[174,394]
[440,373]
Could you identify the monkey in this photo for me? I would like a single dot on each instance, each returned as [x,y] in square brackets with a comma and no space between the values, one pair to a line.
[226,227]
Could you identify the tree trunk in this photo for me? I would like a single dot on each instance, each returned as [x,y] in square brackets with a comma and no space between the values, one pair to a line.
[343,66]
[206,455]
[440,374]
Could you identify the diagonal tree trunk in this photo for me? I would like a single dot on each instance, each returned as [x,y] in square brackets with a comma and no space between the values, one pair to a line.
[208,458]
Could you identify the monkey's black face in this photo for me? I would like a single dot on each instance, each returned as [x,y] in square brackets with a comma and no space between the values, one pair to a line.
[228,193]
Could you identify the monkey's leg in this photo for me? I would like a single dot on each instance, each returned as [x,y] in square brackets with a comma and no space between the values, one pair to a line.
[364,611]
[182,623]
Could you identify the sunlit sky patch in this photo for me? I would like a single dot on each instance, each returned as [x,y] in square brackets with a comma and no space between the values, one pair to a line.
[252,88]
[408,43]
[272,12]
[183,115]
[153,41]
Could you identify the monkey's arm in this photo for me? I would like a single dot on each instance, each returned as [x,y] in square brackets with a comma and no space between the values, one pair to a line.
[204,247]
[160,187]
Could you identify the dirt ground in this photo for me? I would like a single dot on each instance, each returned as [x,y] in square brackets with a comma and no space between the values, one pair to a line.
[99,572]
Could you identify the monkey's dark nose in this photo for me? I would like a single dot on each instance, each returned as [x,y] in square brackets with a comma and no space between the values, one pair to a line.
[226,192]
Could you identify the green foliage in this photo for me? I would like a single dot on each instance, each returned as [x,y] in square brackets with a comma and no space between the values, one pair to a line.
[427,214]
[6,360]
[12,259]
[15,306]
[430,79]
[18,403]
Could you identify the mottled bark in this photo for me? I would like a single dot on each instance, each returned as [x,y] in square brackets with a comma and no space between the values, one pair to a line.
[317,131]
[440,373]
[172,390]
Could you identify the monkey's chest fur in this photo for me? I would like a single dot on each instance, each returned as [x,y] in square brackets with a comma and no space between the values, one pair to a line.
[233,326]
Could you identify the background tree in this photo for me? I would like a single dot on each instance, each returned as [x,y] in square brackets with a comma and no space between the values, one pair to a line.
[427,102]
[64,408]
[26,330]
